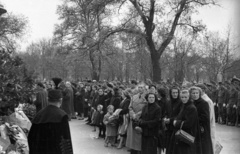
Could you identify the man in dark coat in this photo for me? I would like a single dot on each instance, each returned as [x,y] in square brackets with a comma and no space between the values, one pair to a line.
[41,97]
[50,133]
[232,105]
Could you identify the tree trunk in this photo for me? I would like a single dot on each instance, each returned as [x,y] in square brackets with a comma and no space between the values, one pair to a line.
[156,67]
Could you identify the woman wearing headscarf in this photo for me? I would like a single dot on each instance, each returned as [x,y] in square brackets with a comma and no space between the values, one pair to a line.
[187,120]
[173,108]
[162,102]
[204,119]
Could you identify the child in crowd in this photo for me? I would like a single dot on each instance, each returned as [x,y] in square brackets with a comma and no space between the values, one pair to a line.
[98,120]
[111,126]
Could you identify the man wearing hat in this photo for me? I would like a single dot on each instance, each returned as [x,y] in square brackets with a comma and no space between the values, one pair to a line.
[50,133]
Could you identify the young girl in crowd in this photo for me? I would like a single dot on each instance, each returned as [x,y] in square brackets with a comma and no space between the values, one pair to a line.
[98,120]
[111,126]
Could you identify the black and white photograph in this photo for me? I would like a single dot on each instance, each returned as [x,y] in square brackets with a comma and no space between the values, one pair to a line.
[119,76]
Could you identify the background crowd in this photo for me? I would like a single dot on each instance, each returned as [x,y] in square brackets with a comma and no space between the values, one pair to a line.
[145,117]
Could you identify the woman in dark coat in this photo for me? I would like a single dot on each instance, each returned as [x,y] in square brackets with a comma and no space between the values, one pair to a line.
[80,100]
[188,118]
[66,101]
[116,98]
[162,102]
[123,117]
[149,122]
[204,119]
[173,108]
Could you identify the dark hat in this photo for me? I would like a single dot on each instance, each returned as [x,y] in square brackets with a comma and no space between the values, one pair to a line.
[57,81]
[134,82]
[40,85]
[110,85]
[54,95]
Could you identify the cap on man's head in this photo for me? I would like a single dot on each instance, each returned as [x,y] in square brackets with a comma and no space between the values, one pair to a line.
[54,95]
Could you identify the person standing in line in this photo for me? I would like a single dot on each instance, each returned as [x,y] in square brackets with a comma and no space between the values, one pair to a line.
[187,120]
[66,102]
[212,115]
[232,105]
[149,122]
[111,127]
[50,132]
[220,101]
[41,97]
[123,116]
[172,110]
[204,119]
[134,138]
[80,100]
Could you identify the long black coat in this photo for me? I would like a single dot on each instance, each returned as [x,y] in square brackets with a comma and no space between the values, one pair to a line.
[204,122]
[79,95]
[189,116]
[115,101]
[151,115]
[50,132]
[173,109]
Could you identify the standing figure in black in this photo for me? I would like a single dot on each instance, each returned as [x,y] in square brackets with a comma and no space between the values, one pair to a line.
[50,133]
[204,119]
[149,122]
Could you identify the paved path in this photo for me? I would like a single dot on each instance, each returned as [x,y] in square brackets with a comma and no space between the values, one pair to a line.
[84,142]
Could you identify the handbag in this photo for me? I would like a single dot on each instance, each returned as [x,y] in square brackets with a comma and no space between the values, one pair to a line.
[184,136]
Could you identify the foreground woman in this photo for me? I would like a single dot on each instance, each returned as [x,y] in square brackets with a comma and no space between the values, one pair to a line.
[204,119]
[149,122]
[188,120]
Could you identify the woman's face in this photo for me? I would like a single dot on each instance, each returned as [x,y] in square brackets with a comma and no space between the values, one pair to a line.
[184,97]
[110,110]
[100,92]
[195,94]
[99,108]
[151,98]
[152,90]
[174,93]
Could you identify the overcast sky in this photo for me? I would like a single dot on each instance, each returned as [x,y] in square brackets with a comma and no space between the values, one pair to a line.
[42,16]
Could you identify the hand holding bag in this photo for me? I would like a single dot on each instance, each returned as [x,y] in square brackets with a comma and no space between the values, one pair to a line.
[184,136]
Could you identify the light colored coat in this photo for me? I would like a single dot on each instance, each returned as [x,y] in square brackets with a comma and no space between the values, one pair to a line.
[212,120]
[134,139]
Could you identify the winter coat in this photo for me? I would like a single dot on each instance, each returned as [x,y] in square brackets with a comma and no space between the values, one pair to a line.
[111,125]
[212,120]
[149,121]
[189,116]
[205,128]
[134,139]
[115,101]
[67,102]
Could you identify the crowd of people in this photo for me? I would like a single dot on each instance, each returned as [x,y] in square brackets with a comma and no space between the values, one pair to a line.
[146,117]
